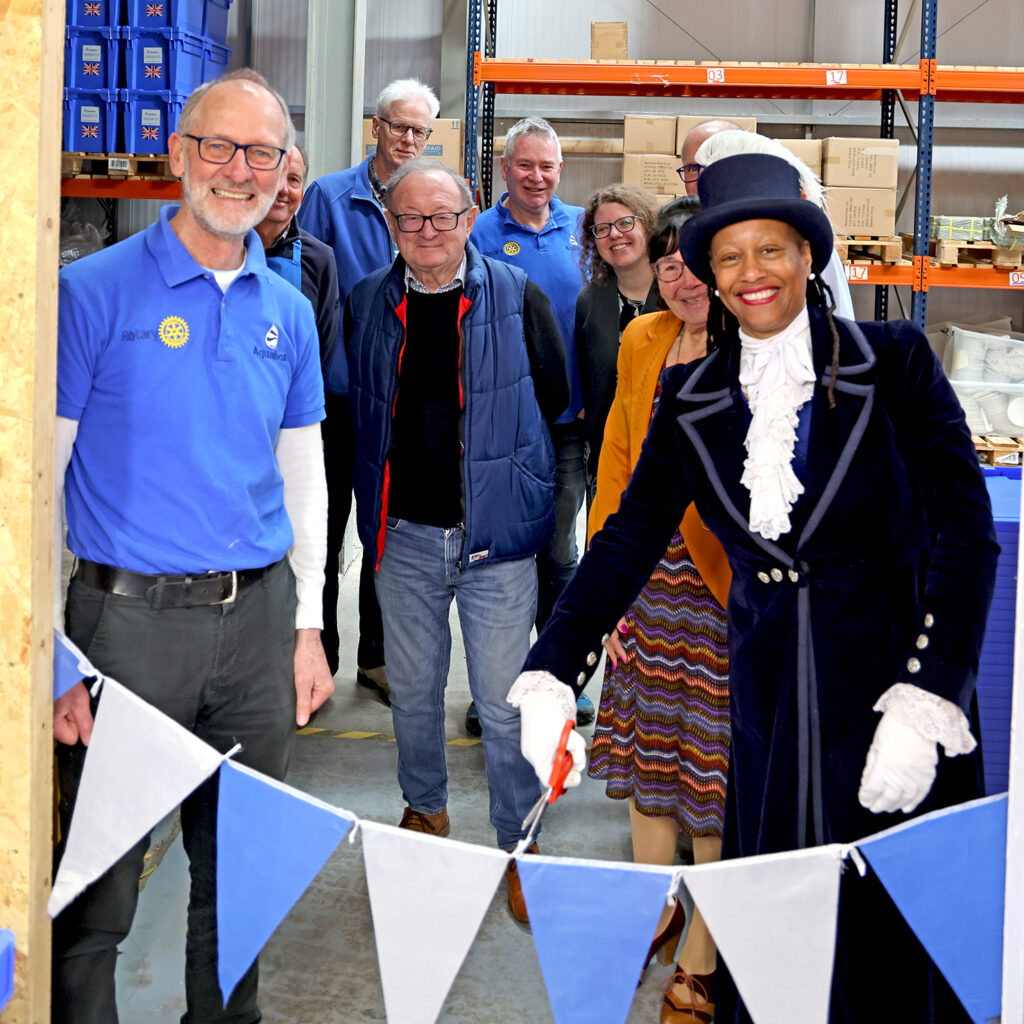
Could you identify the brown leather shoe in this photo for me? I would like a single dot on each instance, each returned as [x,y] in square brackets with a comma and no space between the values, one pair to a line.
[428,824]
[516,900]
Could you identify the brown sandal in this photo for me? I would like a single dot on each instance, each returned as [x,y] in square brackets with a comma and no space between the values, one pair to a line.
[698,1009]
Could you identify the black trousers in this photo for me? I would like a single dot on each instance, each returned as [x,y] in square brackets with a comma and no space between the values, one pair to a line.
[224,672]
[339,459]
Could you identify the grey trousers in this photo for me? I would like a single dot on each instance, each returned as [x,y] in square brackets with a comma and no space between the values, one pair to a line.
[224,672]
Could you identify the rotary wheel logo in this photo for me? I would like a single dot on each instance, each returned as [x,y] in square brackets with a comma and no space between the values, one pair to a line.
[511,248]
[173,331]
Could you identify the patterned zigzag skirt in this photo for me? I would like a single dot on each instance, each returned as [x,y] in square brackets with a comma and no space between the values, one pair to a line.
[662,733]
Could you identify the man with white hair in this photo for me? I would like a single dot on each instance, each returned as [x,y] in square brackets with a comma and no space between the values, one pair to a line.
[730,140]
[189,398]
[455,366]
[531,228]
[346,211]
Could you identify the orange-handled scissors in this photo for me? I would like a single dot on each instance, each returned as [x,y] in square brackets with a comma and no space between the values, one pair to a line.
[556,784]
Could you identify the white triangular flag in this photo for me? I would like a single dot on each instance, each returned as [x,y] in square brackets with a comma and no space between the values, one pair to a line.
[428,897]
[140,765]
[773,919]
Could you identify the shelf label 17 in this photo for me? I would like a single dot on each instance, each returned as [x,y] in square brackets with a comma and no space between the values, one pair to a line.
[835,76]
[855,272]
[1017,278]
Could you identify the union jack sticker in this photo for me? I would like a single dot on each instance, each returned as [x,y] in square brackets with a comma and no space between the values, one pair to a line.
[90,131]
[151,133]
[90,69]
[154,70]
[92,10]
[154,10]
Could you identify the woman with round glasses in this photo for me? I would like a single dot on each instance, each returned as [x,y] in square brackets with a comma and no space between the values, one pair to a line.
[617,223]
[662,734]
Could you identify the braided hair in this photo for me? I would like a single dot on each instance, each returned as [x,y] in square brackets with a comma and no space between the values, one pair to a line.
[723,326]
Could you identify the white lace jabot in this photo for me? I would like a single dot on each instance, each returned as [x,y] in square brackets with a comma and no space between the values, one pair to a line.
[777,375]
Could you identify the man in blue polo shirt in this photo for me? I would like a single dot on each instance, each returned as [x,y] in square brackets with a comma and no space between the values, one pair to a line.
[189,397]
[531,228]
[345,210]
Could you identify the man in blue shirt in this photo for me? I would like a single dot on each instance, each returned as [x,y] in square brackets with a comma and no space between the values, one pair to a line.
[345,210]
[531,228]
[189,397]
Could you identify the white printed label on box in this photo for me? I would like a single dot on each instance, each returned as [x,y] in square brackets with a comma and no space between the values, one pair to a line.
[835,76]
[92,52]
[856,273]
[716,74]
[90,115]
[152,55]
[1017,278]
[149,116]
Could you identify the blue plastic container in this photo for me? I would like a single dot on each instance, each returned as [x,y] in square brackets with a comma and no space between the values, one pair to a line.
[93,13]
[6,966]
[92,57]
[215,20]
[163,59]
[184,15]
[149,119]
[995,668]
[91,120]
[215,61]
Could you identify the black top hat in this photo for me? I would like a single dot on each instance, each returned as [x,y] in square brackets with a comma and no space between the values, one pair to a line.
[751,186]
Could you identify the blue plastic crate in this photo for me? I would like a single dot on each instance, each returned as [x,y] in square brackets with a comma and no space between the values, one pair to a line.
[92,57]
[93,13]
[6,966]
[163,59]
[91,120]
[149,119]
[184,15]
[215,61]
[215,20]
[995,667]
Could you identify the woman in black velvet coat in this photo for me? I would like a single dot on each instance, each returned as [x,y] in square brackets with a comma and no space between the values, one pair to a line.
[872,595]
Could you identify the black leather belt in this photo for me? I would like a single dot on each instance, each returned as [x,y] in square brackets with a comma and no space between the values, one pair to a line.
[166,591]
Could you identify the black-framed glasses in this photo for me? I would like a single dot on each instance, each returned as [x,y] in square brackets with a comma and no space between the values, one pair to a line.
[668,272]
[690,172]
[399,128]
[222,151]
[413,222]
[624,225]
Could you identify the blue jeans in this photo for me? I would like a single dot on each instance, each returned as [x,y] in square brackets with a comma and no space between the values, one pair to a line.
[556,565]
[420,573]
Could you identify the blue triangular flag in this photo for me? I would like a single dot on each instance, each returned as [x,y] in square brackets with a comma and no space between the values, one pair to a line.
[954,858]
[271,842]
[606,916]
[70,665]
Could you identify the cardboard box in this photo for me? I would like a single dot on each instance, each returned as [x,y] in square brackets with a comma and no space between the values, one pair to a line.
[653,171]
[664,200]
[860,163]
[686,122]
[808,150]
[444,144]
[868,212]
[608,40]
[648,134]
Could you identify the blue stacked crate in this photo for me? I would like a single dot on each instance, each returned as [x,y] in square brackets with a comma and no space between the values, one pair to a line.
[91,121]
[167,54]
[93,13]
[92,52]
[995,669]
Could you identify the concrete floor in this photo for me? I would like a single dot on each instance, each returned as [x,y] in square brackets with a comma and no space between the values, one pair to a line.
[320,966]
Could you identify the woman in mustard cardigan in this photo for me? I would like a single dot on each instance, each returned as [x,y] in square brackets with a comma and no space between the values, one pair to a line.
[662,734]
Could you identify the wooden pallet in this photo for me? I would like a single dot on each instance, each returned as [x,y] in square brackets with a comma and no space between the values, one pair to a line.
[869,249]
[115,165]
[997,449]
[975,254]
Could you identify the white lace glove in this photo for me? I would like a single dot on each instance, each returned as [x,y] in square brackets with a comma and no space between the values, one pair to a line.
[545,705]
[900,768]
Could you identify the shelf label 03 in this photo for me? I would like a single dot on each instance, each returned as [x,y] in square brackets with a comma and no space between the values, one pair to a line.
[835,76]
[716,75]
